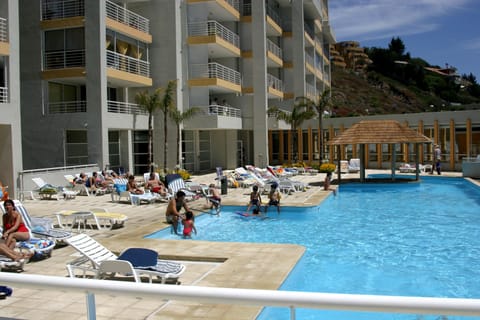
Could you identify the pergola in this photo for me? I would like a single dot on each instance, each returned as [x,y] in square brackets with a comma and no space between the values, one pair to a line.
[379,132]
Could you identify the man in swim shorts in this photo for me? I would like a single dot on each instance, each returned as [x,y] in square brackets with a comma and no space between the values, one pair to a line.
[172,215]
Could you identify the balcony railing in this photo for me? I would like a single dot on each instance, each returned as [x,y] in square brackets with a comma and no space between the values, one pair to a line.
[62,9]
[274,82]
[127,17]
[309,59]
[64,59]
[67,107]
[273,13]
[228,111]
[310,91]
[215,70]
[309,31]
[3,94]
[125,107]
[3,30]
[128,64]
[211,28]
[234,3]
[276,50]
[274,114]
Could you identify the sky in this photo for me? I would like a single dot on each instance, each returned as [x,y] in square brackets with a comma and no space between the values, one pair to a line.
[439,31]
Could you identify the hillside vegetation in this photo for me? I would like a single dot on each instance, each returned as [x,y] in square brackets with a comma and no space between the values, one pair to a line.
[390,87]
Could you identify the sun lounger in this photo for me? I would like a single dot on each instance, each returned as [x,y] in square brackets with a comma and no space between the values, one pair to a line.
[102,218]
[144,261]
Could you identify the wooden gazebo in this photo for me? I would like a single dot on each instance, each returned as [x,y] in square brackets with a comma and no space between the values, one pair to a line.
[379,132]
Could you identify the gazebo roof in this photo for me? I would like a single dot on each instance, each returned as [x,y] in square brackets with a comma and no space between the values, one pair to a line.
[379,131]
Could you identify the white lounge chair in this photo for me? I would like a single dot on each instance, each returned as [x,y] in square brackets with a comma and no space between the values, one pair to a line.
[176,183]
[47,191]
[143,261]
[102,218]
[354,165]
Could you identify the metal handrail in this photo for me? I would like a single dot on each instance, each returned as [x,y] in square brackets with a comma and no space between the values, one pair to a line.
[309,59]
[248,297]
[273,48]
[212,27]
[62,9]
[3,30]
[274,82]
[64,59]
[216,70]
[3,94]
[273,13]
[234,3]
[125,107]
[125,63]
[219,110]
[127,17]
[67,107]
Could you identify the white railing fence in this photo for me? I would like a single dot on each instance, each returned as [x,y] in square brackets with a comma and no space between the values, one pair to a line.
[219,110]
[251,297]
[273,48]
[210,28]
[125,107]
[128,64]
[3,30]
[274,82]
[62,9]
[216,70]
[64,59]
[67,107]
[127,17]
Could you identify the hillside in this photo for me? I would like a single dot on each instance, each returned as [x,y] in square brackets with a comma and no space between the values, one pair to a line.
[370,93]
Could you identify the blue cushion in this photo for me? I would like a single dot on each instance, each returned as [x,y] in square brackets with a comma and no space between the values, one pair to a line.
[120,187]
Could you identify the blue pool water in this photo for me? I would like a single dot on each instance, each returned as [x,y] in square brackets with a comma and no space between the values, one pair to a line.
[415,239]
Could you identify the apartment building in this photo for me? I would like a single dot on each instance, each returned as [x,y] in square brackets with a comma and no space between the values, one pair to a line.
[83,61]
[10,122]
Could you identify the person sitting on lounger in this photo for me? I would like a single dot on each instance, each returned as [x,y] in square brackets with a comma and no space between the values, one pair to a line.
[176,204]
[13,227]
[132,186]
[12,254]
[155,185]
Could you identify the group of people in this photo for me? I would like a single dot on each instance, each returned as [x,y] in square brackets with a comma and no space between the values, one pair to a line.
[256,199]
[173,215]
[14,230]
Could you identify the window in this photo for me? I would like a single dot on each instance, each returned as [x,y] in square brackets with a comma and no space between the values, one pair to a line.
[114,149]
[140,152]
[64,48]
[76,147]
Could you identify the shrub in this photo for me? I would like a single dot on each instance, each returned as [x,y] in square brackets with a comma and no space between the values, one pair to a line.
[327,167]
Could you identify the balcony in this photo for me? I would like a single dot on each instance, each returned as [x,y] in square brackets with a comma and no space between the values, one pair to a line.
[310,91]
[125,108]
[274,23]
[127,17]
[67,107]
[223,10]
[274,55]
[309,64]
[275,124]
[64,59]
[3,95]
[3,30]
[128,64]
[62,9]
[4,45]
[219,78]
[221,41]
[127,71]
[216,116]
[275,87]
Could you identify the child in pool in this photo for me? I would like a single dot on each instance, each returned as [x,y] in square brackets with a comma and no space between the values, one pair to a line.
[188,225]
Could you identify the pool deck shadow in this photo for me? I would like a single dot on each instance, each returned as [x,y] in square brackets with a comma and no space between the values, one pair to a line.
[209,264]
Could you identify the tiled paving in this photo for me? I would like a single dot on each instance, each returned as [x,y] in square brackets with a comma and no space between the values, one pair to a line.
[210,264]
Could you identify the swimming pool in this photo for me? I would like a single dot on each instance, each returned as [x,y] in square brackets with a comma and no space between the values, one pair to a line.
[412,239]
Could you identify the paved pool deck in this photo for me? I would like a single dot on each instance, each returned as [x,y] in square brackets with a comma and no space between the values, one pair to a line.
[209,264]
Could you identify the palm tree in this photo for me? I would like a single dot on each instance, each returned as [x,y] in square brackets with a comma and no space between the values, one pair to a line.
[149,103]
[178,117]
[323,103]
[302,111]
[167,103]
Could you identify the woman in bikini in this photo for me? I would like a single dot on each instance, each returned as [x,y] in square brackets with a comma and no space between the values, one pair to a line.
[13,227]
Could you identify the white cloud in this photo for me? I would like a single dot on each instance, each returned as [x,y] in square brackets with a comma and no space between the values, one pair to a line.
[376,19]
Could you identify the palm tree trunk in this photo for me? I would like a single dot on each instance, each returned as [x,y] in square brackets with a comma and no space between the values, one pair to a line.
[165,150]
[178,147]
[150,142]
